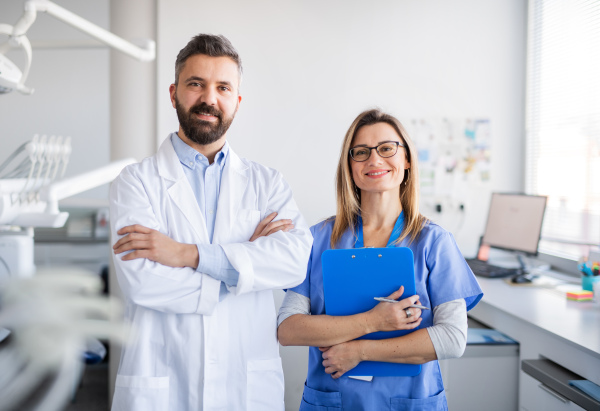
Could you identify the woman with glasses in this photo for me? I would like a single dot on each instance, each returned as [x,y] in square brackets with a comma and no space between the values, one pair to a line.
[378,206]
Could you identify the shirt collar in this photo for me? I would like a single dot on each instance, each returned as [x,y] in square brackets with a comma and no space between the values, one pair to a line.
[190,157]
[221,156]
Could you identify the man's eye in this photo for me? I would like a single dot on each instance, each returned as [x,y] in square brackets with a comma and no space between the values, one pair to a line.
[224,88]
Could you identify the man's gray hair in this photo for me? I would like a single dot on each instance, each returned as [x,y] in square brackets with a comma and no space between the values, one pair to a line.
[209,45]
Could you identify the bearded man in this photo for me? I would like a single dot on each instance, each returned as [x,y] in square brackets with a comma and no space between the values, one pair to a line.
[201,238]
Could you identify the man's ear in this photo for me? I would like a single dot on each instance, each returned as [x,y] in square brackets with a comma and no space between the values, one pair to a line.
[172,91]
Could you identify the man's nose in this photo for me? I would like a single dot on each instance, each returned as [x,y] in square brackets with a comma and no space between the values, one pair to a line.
[209,96]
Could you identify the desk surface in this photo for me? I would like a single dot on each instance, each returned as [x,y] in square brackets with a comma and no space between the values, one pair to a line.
[578,323]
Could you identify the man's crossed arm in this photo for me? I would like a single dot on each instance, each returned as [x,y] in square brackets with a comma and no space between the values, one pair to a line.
[144,242]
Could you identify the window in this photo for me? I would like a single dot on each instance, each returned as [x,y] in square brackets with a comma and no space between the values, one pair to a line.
[563,122]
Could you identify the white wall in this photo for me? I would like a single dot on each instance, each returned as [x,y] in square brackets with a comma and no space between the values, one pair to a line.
[71,89]
[311,66]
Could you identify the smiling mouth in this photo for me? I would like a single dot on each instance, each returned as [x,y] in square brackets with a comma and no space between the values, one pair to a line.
[205,118]
[377,173]
[201,113]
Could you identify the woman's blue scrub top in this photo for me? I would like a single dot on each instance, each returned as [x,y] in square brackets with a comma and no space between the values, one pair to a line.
[441,275]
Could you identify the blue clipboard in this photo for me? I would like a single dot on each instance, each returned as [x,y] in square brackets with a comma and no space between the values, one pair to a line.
[353,277]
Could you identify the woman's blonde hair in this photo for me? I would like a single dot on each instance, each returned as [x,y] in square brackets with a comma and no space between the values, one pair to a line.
[348,194]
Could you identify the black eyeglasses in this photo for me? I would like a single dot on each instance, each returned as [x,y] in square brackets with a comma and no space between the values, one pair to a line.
[385,150]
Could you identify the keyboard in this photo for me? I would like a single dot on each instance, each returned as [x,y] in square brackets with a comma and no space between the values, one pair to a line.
[483,269]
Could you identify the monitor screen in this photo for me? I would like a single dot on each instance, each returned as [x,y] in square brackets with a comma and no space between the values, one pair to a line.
[515,222]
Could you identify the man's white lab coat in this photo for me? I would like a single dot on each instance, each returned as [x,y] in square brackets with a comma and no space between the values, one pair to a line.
[189,351]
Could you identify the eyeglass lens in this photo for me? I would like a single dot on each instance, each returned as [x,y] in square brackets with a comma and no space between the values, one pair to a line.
[387,149]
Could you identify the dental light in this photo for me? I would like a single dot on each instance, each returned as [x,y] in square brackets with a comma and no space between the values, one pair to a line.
[12,78]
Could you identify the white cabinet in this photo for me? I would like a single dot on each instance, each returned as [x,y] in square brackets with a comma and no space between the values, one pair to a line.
[486,377]
[537,396]
[547,327]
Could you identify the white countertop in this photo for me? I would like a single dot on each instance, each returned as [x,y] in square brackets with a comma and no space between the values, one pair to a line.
[548,309]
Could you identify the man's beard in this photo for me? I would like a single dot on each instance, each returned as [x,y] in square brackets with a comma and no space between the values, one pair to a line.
[200,131]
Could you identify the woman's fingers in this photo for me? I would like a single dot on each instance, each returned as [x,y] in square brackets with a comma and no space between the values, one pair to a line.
[413,324]
[338,359]
[414,319]
[396,294]
[407,302]
[394,316]
[332,369]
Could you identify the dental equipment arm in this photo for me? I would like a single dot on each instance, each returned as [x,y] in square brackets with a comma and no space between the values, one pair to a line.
[11,77]
[83,182]
[43,211]
[148,53]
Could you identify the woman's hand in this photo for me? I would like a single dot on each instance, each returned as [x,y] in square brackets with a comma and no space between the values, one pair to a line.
[392,316]
[267,226]
[341,358]
[155,246]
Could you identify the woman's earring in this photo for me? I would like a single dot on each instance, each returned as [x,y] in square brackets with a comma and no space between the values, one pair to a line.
[407,176]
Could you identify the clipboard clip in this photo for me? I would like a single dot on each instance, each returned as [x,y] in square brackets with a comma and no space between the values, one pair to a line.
[362,248]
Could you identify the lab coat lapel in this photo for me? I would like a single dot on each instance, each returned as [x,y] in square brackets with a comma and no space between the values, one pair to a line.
[233,185]
[180,192]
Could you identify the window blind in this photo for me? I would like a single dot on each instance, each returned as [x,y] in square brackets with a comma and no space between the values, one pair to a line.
[563,121]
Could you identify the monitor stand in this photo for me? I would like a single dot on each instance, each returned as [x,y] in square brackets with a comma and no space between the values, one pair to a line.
[523,269]
[523,276]
[527,267]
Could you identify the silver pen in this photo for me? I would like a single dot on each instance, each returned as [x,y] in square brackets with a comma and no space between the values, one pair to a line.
[387,300]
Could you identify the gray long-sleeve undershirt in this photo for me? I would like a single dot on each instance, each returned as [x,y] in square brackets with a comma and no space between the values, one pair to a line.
[448,333]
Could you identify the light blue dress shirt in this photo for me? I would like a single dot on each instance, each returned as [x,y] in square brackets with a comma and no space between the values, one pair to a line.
[205,180]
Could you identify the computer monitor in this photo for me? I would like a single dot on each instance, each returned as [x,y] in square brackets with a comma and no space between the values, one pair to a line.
[515,222]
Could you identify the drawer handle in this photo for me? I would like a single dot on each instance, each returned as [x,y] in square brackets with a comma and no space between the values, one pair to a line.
[554,394]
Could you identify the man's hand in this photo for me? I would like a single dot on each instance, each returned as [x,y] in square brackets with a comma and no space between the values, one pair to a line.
[155,246]
[268,226]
